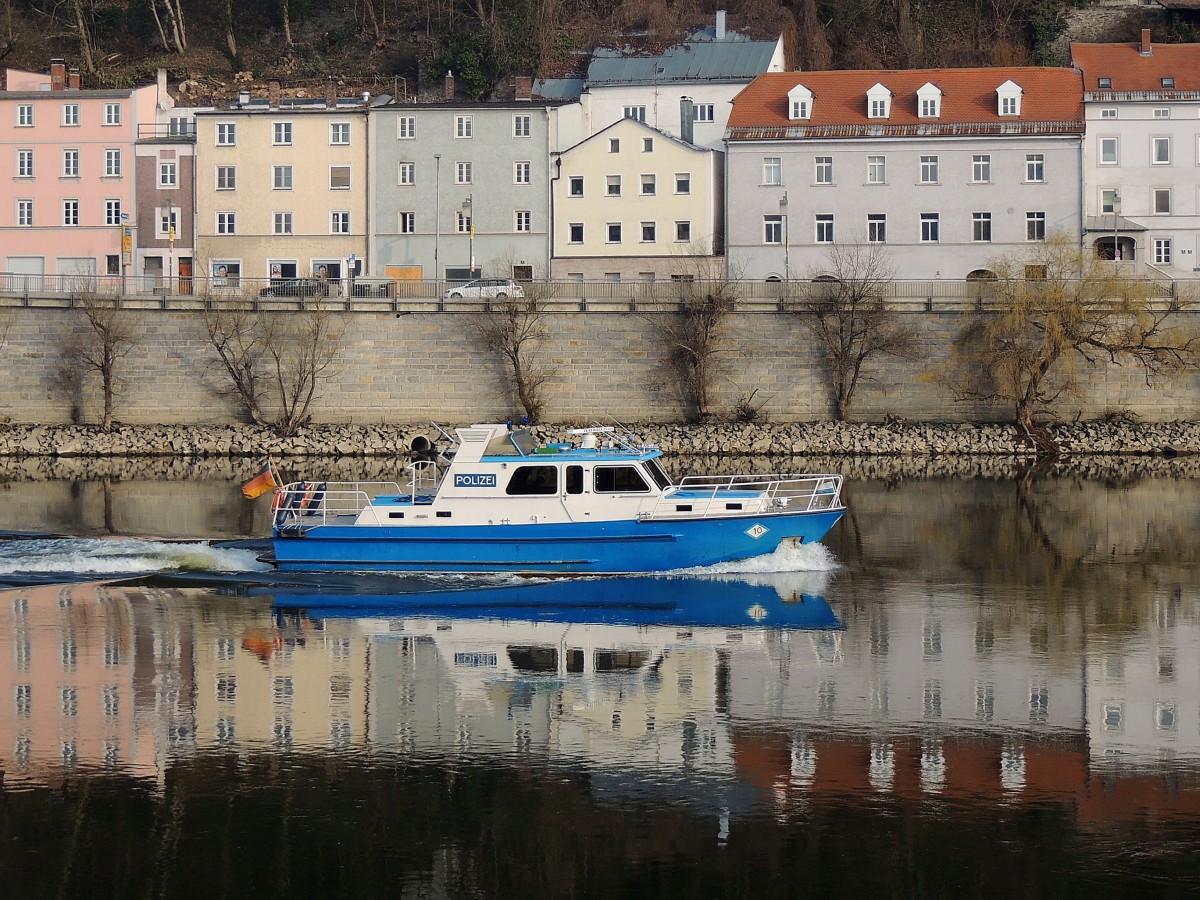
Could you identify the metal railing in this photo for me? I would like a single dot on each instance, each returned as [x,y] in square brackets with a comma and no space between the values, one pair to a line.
[708,496]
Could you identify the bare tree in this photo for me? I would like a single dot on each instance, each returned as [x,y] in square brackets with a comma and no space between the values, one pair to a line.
[174,35]
[1055,303]
[513,328]
[846,313]
[111,335]
[237,336]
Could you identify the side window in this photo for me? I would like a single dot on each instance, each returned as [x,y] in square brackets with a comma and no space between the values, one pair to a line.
[533,480]
[619,479]
[574,479]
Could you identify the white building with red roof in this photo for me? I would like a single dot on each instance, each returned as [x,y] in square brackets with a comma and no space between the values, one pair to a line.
[1141,152]
[949,168]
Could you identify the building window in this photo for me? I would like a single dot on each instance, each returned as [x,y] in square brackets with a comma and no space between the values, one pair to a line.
[24,163]
[522,172]
[1108,151]
[1104,82]
[575,232]
[282,178]
[339,178]
[1035,226]
[70,114]
[167,222]
[575,186]
[282,134]
[408,173]
[1162,251]
[929,107]
[876,170]
[876,228]
[772,170]
[879,108]
[824,229]
[1160,151]
[339,134]
[1108,200]
[635,112]
[1162,112]
[683,182]
[112,113]
[112,212]
[614,145]
[462,173]
[1035,167]
[930,228]
[408,223]
[24,213]
[772,229]
[647,145]
[226,178]
[521,126]
[614,232]
[648,185]
[823,170]
[339,221]
[981,227]
[1162,201]
[227,222]
[181,126]
[168,175]
[1108,113]
[799,109]
[226,273]
[406,128]
[703,112]
[226,134]
[25,115]
[70,212]
[649,232]
[683,232]
[70,168]
[112,163]
[1010,106]
[462,126]
[523,223]
[981,168]
[929,170]
[614,185]
[283,222]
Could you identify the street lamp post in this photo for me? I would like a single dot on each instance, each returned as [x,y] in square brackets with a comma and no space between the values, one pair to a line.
[437,217]
[170,241]
[787,243]
[1116,215]
[470,213]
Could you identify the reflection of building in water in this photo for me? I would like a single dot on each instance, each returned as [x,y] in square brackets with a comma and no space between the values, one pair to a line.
[98,678]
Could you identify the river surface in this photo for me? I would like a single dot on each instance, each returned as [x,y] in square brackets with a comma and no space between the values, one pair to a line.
[977,686]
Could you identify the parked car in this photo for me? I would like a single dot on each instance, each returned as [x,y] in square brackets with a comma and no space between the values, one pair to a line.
[293,287]
[485,289]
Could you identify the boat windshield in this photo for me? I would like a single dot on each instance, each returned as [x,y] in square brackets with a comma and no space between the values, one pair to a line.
[661,478]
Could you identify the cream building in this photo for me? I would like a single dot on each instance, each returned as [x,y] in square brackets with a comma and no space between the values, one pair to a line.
[632,203]
[281,191]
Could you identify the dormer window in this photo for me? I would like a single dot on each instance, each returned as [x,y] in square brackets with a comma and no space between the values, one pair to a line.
[1168,83]
[1009,99]
[800,100]
[1104,82]
[929,101]
[879,102]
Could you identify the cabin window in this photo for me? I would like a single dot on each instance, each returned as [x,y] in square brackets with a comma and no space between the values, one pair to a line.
[619,480]
[533,480]
[660,477]
[574,479]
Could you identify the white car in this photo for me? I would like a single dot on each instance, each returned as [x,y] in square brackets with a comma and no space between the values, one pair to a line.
[485,289]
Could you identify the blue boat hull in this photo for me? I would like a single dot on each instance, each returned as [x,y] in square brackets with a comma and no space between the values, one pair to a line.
[570,549]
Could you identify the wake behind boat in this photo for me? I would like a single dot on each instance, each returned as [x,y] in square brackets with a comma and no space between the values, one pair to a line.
[599,503]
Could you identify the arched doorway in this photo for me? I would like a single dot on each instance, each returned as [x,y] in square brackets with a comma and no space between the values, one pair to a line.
[1104,247]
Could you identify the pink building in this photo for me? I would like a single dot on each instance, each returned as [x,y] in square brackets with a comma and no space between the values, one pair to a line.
[67,209]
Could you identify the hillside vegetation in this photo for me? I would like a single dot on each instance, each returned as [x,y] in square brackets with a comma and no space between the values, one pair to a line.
[404,46]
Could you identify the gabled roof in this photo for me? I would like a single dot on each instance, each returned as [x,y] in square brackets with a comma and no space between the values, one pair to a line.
[1131,71]
[638,126]
[733,58]
[1052,103]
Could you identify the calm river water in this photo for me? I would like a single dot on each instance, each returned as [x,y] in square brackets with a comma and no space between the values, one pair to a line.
[977,687]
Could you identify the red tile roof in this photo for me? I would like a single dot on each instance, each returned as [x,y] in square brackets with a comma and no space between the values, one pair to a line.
[1051,102]
[1130,71]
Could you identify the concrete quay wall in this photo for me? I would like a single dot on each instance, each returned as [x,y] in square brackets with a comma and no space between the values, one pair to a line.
[430,366]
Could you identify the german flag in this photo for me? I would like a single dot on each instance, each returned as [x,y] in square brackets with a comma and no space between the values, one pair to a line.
[259,484]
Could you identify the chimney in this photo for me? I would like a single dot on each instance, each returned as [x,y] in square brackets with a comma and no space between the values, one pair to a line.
[243,98]
[273,94]
[720,24]
[73,79]
[330,94]
[686,125]
[1145,49]
[448,88]
[161,81]
[58,75]
[524,87]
